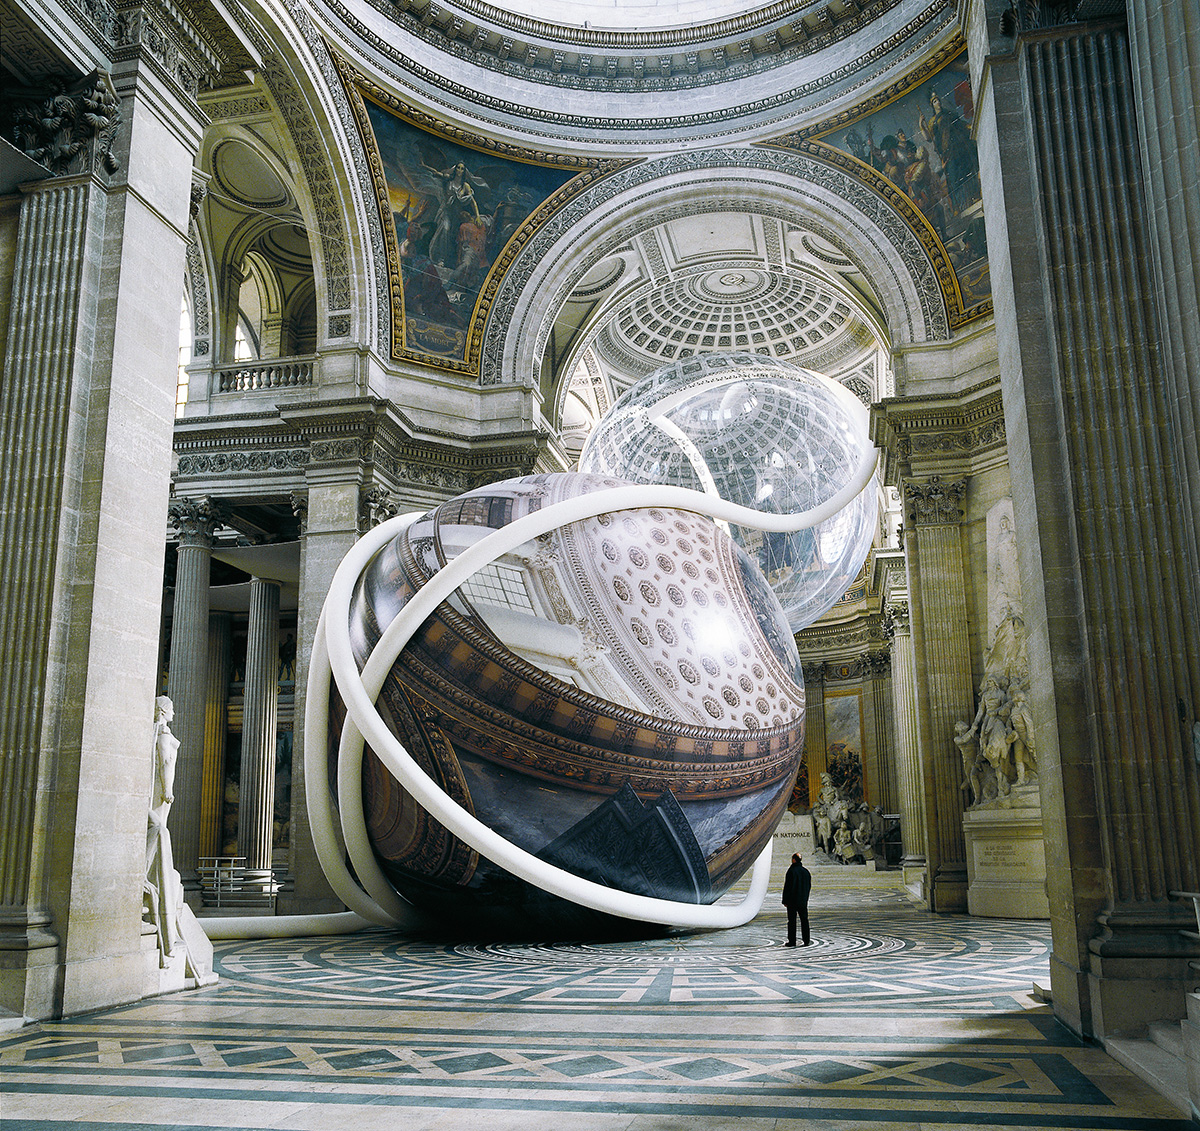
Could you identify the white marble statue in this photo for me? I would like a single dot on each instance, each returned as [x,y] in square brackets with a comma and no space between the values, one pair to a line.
[163,891]
[1020,720]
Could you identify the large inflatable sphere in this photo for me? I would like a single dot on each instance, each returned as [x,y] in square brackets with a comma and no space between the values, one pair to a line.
[763,433]
[620,697]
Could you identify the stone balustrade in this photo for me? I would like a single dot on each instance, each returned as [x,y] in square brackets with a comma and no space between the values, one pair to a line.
[254,376]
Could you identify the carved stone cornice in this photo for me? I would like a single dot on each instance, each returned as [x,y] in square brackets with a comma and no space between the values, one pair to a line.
[846,636]
[67,125]
[637,62]
[946,428]
[870,665]
[195,520]
[193,42]
[364,438]
[935,502]
[1023,16]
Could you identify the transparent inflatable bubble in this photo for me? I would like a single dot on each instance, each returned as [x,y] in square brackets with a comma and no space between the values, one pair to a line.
[763,433]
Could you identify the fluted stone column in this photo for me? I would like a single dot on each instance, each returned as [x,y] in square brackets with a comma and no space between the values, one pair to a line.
[187,680]
[1166,73]
[1099,403]
[878,736]
[216,725]
[938,604]
[909,779]
[256,804]
[1166,79]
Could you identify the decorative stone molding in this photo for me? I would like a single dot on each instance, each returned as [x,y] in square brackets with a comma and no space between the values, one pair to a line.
[253,106]
[198,193]
[935,502]
[200,305]
[69,127]
[378,505]
[195,520]
[937,428]
[222,463]
[861,633]
[814,672]
[355,437]
[328,204]
[638,183]
[1036,15]
[619,73]
[870,665]
[311,147]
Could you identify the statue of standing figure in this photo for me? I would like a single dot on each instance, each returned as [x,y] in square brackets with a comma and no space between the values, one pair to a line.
[163,891]
[1002,735]
[1020,719]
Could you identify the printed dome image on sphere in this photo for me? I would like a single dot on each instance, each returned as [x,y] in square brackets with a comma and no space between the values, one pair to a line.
[620,697]
[762,433]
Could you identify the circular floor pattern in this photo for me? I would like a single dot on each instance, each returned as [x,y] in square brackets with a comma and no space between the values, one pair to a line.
[862,956]
[753,944]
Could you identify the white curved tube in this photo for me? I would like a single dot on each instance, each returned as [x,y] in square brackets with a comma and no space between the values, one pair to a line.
[359,691]
[321,811]
[284,926]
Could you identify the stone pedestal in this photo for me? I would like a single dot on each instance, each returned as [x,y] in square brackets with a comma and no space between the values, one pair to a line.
[190,965]
[1006,857]
[794,834]
[1191,1051]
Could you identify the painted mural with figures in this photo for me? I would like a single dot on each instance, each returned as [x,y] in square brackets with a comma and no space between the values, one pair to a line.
[457,214]
[913,143]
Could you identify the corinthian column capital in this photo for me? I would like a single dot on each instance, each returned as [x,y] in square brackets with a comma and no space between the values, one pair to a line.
[935,502]
[195,520]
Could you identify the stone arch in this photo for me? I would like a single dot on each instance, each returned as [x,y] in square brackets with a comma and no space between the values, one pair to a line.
[304,96]
[794,186]
[199,286]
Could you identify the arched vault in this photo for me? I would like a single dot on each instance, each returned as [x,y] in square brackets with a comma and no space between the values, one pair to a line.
[769,204]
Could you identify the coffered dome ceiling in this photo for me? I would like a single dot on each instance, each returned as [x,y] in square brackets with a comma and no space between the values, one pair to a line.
[712,283]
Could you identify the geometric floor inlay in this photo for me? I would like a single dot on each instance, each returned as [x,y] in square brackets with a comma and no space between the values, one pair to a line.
[893,1020]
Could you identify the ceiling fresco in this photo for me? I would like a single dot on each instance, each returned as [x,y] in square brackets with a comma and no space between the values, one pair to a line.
[458,208]
[456,216]
[915,140]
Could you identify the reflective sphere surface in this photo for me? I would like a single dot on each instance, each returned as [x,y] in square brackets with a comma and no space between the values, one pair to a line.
[763,433]
[620,697]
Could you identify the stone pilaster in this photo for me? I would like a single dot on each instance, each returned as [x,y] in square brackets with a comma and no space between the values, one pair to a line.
[187,679]
[938,606]
[256,805]
[909,779]
[330,515]
[216,726]
[88,386]
[1166,80]
[1101,425]
[815,743]
[58,223]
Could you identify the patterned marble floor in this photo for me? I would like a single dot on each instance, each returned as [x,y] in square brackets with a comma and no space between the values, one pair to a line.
[893,1020]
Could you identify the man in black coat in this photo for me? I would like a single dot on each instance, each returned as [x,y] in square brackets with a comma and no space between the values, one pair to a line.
[796,886]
